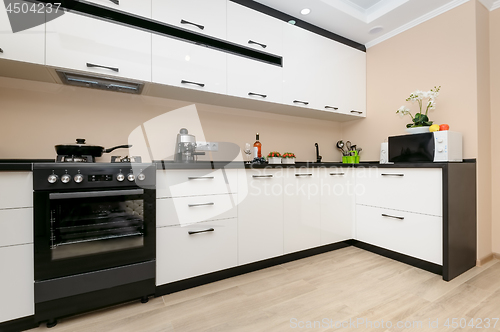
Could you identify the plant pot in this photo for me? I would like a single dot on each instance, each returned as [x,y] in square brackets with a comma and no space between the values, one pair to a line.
[274,160]
[288,160]
[417,130]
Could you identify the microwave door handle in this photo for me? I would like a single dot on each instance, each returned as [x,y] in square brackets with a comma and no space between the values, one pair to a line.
[91,194]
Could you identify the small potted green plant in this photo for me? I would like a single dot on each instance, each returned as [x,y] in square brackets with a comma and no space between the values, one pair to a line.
[288,158]
[274,157]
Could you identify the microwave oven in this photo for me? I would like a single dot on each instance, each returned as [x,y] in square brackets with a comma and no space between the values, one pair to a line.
[439,146]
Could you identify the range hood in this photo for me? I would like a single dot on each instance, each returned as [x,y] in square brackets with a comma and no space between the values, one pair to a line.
[101,83]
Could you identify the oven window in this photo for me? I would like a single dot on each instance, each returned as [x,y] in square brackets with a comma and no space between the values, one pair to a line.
[87,226]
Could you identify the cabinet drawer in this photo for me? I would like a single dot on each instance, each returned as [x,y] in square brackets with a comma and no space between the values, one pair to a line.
[178,183]
[414,190]
[412,234]
[73,41]
[181,255]
[192,209]
[16,226]
[16,189]
[206,17]
[137,7]
[16,282]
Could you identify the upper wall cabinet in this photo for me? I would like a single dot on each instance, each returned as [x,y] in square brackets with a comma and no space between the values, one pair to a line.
[250,28]
[187,65]
[27,45]
[86,44]
[202,16]
[137,7]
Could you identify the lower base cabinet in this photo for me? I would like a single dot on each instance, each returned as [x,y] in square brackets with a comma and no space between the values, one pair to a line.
[408,233]
[16,282]
[189,251]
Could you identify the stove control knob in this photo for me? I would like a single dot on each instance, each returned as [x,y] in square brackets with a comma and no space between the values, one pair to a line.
[52,178]
[130,177]
[120,177]
[78,178]
[141,177]
[65,178]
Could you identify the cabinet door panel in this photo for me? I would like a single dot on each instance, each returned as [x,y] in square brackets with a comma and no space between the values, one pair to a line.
[351,74]
[73,41]
[187,65]
[17,282]
[209,14]
[27,45]
[260,216]
[16,226]
[137,7]
[302,210]
[16,189]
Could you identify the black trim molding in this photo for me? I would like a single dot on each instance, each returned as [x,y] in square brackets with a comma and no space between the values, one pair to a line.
[21,324]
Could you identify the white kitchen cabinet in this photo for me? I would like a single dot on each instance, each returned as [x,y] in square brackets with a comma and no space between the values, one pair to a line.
[254,79]
[250,28]
[27,45]
[260,215]
[187,65]
[412,234]
[192,209]
[92,45]
[418,190]
[206,17]
[189,251]
[302,203]
[337,204]
[136,7]
[16,190]
[16,282]
[16,226]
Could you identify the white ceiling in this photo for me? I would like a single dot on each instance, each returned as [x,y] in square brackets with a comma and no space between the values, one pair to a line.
[354,19]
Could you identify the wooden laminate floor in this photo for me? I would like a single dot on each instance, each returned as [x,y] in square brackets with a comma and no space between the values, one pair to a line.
[346,285]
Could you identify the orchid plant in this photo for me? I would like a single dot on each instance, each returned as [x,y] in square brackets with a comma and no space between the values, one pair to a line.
[421,119]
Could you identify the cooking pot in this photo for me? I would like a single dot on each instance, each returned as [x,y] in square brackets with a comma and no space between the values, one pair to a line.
[80,148]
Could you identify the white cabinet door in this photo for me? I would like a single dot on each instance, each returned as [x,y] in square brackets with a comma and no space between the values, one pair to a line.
[16,226]
[16,282]
[211,246]
[137,7]
[351,74]
[88,44]
[260,216]
[302,72]
[202,16]
[254,79]
[302,205]
[187,65]
[16,190]
[412,234]
[253,29]
[27,45]
[337,204]
[418,190]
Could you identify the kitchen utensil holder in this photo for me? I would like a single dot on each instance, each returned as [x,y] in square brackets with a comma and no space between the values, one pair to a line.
[354,159]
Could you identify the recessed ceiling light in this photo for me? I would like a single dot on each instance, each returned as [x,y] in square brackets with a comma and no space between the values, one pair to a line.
[376,30]
[305,11]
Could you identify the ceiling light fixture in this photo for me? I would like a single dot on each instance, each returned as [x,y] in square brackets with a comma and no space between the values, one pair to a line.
[376,30]
[305,11]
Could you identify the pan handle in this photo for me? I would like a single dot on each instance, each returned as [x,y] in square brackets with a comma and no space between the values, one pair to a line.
[117,147]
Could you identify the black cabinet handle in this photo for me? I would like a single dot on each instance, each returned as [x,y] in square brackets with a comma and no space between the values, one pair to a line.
[253,42]
[91,65]
[301,102]
[189,82]
[200,204]
[116,2]
[200,177]
[1,51]
[263,176]
[339,174]
[331,107]
[257,94]
[395,217]
[392,174]
[201,27]
[304,174]
[354,111]
[202,231]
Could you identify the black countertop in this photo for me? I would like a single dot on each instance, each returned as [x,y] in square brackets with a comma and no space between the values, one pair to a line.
[27,165]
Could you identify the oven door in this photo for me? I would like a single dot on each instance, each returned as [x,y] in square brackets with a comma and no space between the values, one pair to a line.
[84,231]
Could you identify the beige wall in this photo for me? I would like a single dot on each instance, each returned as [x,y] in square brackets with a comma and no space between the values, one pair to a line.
[495,124]
[440,51]
[36,116]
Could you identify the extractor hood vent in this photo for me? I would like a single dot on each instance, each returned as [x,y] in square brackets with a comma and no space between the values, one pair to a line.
[102,83]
